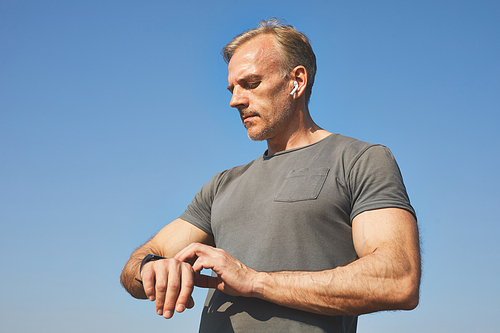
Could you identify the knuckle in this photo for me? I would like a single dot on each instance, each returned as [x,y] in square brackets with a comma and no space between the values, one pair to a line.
[173,285]
[149,291]
[171,263]
[189,284]
[169,303]
[146,274]
[161,286]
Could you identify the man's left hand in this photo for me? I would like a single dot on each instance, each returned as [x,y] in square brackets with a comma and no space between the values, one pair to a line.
[233,278]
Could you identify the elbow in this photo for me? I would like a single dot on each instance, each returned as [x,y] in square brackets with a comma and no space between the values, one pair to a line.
[407,288]
[410,302]
[408,294]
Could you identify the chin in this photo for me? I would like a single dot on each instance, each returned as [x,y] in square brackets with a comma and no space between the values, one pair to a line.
[260,135]
[256,137]
[257,134]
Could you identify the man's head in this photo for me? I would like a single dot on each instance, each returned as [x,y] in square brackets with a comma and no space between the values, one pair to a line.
[261,93]
[293,46]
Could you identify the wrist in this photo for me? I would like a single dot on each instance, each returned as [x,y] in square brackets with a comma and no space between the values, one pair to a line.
[260,281]
[148,258]
[145,260]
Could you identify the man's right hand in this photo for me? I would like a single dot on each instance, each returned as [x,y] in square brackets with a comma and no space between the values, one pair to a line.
[170,283]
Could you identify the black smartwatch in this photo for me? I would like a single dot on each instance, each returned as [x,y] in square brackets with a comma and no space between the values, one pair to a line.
[148,258]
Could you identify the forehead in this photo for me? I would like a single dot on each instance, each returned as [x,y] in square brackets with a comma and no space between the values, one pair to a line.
[258,56]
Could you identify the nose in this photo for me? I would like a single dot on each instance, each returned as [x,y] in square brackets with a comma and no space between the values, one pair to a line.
[239,99]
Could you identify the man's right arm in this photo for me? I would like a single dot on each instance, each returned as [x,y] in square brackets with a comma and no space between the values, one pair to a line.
[167,243]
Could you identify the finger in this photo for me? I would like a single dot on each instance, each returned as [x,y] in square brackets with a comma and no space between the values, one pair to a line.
[187,253]
[202,262]
[172,287]
[161,289]
[148,282]
[206,281]
[193,251]
[187,286]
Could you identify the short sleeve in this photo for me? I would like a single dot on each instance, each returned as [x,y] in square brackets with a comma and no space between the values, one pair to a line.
[375,182]
[199,211]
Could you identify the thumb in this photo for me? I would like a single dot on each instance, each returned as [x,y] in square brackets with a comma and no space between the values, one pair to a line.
[206,281]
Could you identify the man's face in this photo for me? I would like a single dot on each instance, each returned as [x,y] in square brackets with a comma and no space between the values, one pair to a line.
[260,93]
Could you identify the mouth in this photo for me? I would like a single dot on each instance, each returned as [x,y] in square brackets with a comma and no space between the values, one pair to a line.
[247,120]
[247,116]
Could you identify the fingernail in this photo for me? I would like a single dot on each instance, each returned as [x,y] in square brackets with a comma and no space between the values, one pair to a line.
[181,307]
[167,314]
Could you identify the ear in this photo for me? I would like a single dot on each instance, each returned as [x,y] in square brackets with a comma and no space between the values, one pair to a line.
[299,74]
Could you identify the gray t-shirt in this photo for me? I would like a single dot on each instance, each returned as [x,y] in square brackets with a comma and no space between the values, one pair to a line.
[292,211]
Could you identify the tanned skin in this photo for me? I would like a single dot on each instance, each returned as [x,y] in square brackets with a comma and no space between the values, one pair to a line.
[385,277]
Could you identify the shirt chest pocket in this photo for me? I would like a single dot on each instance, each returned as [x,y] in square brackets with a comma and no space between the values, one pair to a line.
[302,184]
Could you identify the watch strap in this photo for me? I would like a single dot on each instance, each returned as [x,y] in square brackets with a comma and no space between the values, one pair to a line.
[148,258]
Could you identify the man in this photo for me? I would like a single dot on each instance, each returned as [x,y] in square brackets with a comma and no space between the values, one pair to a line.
[305,238]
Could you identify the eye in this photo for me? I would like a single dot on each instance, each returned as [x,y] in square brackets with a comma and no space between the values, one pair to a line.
[253,85]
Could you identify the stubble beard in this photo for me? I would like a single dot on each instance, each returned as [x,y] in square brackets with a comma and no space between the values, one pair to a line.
[278,123]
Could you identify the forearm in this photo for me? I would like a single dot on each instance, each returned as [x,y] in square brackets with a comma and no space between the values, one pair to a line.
[166,243]
[131,271]
[372,283]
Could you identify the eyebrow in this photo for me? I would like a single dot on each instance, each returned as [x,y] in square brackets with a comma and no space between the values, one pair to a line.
[249,77]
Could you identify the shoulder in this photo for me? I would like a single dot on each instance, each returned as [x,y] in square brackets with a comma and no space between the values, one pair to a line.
[230,174]
[349,148]
[353,154]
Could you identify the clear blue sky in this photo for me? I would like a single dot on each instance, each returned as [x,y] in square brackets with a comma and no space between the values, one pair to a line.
[114,113]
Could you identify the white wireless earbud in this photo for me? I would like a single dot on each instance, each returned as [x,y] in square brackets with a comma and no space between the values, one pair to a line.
[295,87]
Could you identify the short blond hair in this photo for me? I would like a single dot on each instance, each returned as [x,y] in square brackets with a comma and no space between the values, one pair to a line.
[292,44]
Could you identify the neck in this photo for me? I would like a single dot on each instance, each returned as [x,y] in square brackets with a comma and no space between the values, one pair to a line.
[299,133]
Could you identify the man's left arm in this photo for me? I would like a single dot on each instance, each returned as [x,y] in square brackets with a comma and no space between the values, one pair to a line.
[385,277]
